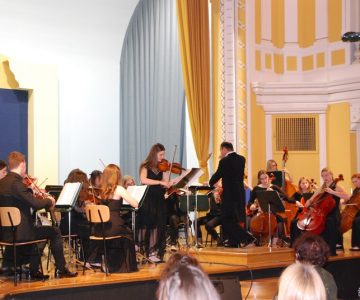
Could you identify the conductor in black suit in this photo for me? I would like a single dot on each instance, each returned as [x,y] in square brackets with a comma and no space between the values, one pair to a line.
[231,171]
[14,193]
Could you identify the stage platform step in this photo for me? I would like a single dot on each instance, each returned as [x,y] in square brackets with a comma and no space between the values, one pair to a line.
[256,256]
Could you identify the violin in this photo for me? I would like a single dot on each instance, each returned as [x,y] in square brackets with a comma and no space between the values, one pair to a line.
[174,167]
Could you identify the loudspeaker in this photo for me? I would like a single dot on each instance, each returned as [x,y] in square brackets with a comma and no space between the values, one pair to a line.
[227,287]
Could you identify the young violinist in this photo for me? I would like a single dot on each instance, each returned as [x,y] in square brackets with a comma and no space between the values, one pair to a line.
[264,184]
[14,193]
[3,169]
[304,193]
[120,252]
[331,234]
[355,235]
[151,218]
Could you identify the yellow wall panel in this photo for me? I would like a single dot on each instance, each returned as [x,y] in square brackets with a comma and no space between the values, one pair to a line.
[268,61]
[279,63]
[258,60]
[335,20]
[257,21]
[258,138]
[338,57]
[291,63]
[320,60]
[338,141]
[308,63]
[306,23]
[278,23]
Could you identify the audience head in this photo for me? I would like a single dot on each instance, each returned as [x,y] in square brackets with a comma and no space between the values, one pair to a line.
[3,169]
[95,178]
[183,279]
[111,178]
[311,248]
[128,180]
[271,165]
[301,282]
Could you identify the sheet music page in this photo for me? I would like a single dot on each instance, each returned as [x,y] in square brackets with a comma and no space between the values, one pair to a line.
[137,192]
[68,194]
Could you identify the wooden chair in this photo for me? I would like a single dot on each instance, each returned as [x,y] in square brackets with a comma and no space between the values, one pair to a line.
[11,217]
[100,214]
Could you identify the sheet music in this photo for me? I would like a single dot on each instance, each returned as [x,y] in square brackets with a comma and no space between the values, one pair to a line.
[188,177]
[69,194]
[137,192]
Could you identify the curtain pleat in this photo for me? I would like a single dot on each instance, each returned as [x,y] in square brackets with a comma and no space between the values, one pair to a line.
[152,97]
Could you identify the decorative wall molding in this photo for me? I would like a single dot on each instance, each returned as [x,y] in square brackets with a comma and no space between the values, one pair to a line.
[292,97]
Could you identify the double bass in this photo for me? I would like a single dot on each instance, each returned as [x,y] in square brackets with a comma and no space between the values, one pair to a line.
[313,218]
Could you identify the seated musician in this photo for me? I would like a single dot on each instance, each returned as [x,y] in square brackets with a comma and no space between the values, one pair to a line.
[212,219]
[3,169]
[331,234]
[79,224]
[253,207]
[271,166]
[14,193]
[121,256]
[355,236]
[300,197]
[95,179]
[174,218]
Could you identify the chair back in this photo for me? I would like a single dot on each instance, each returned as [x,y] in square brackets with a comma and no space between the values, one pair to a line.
[9,216]
[97,213]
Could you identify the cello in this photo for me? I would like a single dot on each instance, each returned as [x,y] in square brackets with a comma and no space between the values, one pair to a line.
[313,218]
[349,212]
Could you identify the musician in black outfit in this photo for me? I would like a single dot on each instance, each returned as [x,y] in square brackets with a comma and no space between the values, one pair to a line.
[355,235]
[231,171]
[13,192]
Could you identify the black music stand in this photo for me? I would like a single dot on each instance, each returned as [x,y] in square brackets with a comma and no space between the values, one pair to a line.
[66,202]
[270,202]
[185,181]
[278,178]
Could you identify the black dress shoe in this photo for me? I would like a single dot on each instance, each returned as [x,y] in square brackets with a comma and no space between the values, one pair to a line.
[65,273]
[36,275]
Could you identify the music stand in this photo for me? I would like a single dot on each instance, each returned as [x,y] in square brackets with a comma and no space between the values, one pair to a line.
[278,178]
[185,181]
[66,202]
[270,202]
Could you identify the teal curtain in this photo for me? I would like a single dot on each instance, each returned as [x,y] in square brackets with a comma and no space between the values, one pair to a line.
[152,97]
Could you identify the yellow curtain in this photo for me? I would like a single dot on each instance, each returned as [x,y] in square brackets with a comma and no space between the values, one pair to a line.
[193,24]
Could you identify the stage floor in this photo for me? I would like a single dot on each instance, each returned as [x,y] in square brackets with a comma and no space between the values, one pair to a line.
[214,260]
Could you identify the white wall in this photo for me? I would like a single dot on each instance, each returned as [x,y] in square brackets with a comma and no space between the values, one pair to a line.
[83,40]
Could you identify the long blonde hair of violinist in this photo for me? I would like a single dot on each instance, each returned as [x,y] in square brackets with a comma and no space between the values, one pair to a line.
[151,160]
[111,178]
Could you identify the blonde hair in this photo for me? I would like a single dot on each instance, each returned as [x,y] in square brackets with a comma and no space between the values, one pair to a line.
[186,281]
[126,178]
[301,281]
[326,170]
[306,179]
[110,180]
[269,165]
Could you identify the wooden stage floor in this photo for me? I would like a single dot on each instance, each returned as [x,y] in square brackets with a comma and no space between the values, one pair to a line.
[215,261]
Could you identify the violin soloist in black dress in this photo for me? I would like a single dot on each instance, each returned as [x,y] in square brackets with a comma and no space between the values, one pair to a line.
[152,216]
